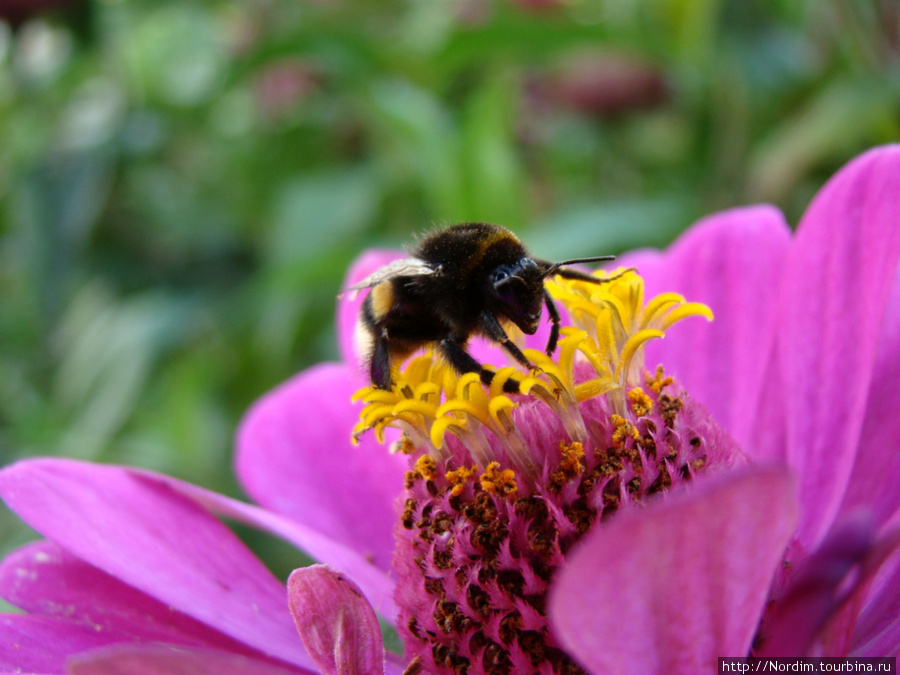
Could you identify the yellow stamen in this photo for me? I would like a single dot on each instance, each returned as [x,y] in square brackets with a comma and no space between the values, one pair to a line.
[497,482]
[641,403]
[459,478]
[426,467]
[658,381]
[624,430]
[404,445]
[573,458]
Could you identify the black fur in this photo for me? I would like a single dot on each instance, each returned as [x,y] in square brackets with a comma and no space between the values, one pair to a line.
[483,276]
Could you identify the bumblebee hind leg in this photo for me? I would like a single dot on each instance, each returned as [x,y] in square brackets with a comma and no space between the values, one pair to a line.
[380,363]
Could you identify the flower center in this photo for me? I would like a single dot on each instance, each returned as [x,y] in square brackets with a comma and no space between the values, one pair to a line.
[501,487]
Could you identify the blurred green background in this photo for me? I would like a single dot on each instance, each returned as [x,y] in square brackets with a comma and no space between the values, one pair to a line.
[182,184]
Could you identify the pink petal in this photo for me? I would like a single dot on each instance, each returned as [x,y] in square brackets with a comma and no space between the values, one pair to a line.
[42,578]
[875,482]
[168,660]
[349,305]
[376,584]
[877,627]
[730,262]
[295,458]
[142,532]
[840,271]
[671,587]
[335,622]
[40,644]
[814,594]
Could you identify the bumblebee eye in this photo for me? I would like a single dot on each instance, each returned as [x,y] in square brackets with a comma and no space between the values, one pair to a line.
[500,276]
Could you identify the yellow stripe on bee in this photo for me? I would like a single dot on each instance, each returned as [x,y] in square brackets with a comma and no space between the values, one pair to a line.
[382,299]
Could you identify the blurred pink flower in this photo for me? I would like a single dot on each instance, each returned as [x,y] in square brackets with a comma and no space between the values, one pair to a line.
[17,11]
[794,553]
[607,84]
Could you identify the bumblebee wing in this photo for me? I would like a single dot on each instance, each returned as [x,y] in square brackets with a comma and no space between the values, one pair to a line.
[406,267]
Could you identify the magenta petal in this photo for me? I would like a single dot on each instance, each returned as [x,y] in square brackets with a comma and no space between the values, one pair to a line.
[671,587]
[350,303]
[375,583]
[168,660]
[142,532]
[877,621]
[840,271]
[875,482]
[878,630]
[813,595]
[40,644]
[730,262]
[42,578]
[335,622]
[295,457]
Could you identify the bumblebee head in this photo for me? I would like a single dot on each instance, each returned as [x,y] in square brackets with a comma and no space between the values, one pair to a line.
[516,292]
[516,287]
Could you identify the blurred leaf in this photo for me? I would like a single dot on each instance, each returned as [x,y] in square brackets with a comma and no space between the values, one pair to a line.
[57,205]
[492,167]
[512,34]
[107,349]
[599,229]
[841,116]
[694,22]
[280,313]
[315,213]
[429,24]
[184,430]
[180,54]
[422,137]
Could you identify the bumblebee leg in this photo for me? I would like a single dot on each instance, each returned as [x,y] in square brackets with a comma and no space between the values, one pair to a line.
[492,328]
[462,362]
[380,364]
[554,323]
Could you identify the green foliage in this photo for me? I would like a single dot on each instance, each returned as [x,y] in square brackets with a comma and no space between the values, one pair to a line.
[182,184]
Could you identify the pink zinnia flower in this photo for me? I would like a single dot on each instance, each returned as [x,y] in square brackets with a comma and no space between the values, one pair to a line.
[631,523]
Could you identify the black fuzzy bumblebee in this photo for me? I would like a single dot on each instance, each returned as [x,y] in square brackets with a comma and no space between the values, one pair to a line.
[464,280]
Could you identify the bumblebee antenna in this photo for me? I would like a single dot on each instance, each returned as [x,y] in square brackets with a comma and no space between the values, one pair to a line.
[555,266]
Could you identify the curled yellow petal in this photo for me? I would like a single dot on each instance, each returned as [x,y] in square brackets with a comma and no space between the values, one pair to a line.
[631,347]
[686,310]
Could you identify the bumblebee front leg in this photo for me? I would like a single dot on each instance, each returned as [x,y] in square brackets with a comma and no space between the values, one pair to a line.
[492,328]
[452,349]
[554,323]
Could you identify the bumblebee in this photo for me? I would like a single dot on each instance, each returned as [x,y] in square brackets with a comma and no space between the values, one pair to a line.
[464,280]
